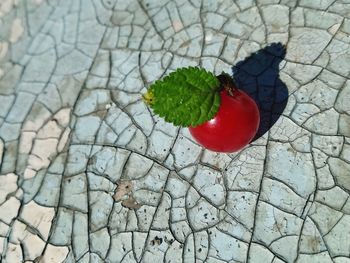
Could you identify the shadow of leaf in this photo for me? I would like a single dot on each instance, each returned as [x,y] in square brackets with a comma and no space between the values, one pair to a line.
[258,75]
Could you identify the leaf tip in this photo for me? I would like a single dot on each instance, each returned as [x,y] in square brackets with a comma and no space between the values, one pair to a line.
[148,97]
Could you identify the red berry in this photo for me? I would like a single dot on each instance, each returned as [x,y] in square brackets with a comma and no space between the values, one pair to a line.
[234,125]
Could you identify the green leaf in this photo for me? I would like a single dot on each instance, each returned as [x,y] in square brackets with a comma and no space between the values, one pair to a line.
[187,97]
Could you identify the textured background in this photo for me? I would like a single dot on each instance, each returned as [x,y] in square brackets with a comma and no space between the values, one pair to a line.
[88,174]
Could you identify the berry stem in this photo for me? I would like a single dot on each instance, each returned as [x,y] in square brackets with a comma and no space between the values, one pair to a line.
[226,82]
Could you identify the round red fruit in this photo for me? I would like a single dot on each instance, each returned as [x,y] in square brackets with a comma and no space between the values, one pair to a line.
[234,125]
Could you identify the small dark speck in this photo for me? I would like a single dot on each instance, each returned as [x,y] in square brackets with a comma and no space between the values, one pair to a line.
[188,149]
[200,250]
[158,240]
[69,180]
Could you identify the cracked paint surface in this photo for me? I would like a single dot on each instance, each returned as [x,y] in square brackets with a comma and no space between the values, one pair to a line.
[89,174]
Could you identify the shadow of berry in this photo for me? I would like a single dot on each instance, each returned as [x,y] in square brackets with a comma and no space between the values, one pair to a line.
[258,75]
